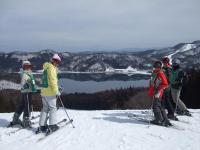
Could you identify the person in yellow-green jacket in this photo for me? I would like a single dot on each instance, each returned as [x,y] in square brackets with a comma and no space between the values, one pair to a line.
[49,94]
[28,87]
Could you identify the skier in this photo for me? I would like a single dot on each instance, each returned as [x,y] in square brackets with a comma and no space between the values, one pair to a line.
[49,94]
[176,81]
[158,83]
[27,88]
[167,100]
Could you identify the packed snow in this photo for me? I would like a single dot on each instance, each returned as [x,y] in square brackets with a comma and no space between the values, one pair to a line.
[105,130]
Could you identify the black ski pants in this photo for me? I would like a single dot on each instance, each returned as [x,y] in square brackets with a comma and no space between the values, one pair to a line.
[159,110]
[25,105]
[167,101]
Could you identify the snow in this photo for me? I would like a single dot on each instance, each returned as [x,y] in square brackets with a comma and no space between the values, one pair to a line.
[184,48]
[9,85]
[96,66]
[66,54]
[105,130]
[187,47]
[128,70]
[23,57]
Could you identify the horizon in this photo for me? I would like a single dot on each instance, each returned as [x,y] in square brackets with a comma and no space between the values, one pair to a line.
[88,25]
[97,50]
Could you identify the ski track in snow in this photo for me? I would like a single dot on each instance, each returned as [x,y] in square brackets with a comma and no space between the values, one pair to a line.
[185,48]
[105,130]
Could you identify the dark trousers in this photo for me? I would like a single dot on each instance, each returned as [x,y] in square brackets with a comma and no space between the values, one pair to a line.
[159,111]
[25,105]
[167,102]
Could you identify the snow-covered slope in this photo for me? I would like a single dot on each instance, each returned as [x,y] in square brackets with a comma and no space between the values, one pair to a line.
[184,48]
[106,130]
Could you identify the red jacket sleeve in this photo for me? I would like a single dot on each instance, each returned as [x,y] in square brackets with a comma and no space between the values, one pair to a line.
[164,82]
[162,85]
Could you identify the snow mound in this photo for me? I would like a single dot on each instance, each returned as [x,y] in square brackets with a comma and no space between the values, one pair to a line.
[106,130]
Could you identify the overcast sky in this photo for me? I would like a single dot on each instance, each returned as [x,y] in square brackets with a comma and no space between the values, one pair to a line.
[77,25]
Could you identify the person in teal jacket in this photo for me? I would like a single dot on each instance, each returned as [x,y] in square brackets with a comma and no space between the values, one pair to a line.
[176,80]
[28,87]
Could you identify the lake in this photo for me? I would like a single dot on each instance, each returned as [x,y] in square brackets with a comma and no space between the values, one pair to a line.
[90,83]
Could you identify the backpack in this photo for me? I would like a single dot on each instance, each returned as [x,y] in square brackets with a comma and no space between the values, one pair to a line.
[32,77]
[45,79]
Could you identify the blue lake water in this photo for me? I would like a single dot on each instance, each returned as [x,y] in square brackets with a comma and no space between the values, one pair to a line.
[72,86]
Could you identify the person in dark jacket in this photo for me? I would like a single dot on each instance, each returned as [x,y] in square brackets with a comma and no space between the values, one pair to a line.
[158,83]
[167,100]
[176,80]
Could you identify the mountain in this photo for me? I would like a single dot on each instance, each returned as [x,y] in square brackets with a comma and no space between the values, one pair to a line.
[188,53]
[105,130]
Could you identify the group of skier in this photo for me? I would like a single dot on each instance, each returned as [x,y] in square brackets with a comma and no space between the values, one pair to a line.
[165,88]
[49,92]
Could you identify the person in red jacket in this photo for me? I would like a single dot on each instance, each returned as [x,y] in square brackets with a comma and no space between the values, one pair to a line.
[158,83]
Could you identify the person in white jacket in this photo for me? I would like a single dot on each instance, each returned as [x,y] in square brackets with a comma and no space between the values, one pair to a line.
[27,88]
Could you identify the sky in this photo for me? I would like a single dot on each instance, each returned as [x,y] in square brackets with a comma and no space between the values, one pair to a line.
[89,25]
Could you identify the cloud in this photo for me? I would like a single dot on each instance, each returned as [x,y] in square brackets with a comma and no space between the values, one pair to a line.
[91,24]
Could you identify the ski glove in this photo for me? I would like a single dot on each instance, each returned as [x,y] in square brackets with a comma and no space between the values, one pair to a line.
[157,95]
[60,88]
[58,93]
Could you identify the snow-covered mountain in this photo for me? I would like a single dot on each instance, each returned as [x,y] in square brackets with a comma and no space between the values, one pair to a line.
[9,85]
[188,53]
[105,130]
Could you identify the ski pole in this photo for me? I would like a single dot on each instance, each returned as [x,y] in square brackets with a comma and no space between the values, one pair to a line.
[32,116]
[150,111]
[177,101]
[65,111]
[27,99]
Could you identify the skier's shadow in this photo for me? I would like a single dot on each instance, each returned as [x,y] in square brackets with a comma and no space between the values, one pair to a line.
[4,123]
[119,118]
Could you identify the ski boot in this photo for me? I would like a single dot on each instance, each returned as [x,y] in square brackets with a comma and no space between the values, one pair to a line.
[166,123]
[184,113]
[156,122]
[15,121]
[158,118]
[42,129]
[26,122]
[187,113]
[172,117]
[52,128]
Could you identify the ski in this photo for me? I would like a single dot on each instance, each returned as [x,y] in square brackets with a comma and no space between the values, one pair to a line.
[32,118]
[35,117]
[45,135]
[20,128]
[138,115]
[182,121]
[148,122]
